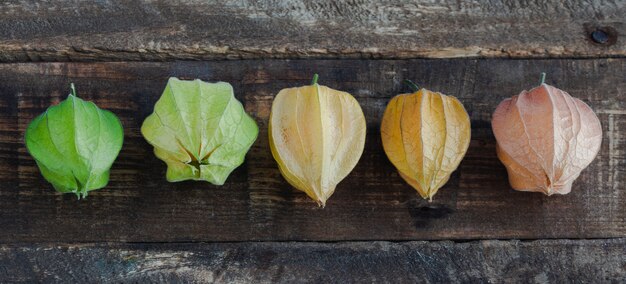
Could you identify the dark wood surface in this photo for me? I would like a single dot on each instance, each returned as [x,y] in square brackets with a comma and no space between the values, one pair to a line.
[372,203]
[545,261]
[66,30]
[140,228]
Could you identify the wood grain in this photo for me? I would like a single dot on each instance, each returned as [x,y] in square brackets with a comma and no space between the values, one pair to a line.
[372,203]
[546,261]
[68,30]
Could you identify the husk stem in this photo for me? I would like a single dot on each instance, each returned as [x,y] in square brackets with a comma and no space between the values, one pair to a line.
[73,89]
[414,87]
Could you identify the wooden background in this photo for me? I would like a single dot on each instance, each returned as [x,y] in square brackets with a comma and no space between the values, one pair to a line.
[375,228]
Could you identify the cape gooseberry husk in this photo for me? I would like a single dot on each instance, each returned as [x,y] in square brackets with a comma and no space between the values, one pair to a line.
[74,144]
[545,138]
[425,136]
[200,130]
[316,136]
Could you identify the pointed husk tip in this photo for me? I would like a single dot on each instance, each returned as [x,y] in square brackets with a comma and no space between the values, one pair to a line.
[321,204]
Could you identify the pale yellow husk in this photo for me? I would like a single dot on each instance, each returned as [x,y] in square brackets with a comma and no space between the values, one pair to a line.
[317,136]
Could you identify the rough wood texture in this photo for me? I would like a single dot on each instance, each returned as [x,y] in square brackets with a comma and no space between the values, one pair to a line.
[165,29]
[547,261]
[372,203]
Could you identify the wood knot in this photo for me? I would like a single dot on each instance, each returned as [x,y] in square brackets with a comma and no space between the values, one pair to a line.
[601,35]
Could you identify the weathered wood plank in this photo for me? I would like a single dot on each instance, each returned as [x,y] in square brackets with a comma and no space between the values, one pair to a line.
[9,145]
[546,261]
[165,29]
[372,203]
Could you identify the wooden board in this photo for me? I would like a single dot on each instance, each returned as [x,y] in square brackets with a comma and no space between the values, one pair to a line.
[546,261]
[372,203]
[65,30]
